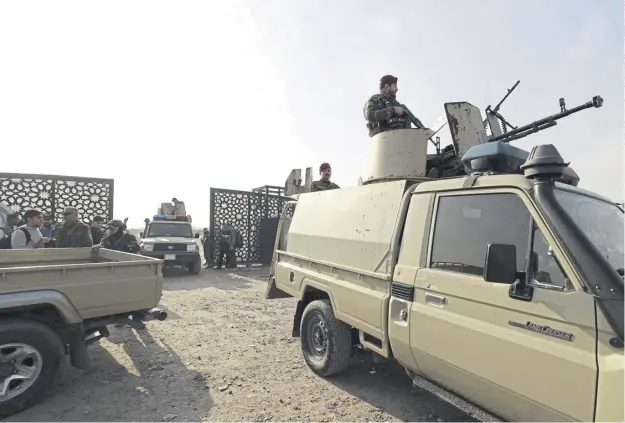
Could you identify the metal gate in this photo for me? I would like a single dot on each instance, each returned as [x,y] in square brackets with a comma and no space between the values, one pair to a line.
[50,194]
[245,211]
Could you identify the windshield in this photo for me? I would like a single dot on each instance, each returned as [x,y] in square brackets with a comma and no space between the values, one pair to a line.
[601,222]
[170,229]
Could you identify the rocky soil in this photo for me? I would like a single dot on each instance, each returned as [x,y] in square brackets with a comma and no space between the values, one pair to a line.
[226,354]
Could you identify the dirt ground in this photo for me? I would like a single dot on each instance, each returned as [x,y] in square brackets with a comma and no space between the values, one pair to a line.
[226,354]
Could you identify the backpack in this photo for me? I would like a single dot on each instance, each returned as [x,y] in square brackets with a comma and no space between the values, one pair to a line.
[5,243]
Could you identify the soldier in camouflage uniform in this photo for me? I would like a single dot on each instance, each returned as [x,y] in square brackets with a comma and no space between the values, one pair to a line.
[324,183]
[382,112]
[118,239]
[73,233]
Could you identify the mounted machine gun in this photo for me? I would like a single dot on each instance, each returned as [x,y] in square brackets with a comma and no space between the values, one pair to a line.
[467,131]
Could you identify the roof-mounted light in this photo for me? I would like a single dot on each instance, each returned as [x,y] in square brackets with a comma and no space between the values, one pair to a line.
[497,156]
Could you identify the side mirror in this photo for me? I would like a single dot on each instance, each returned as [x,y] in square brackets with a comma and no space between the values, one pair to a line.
[500,263]
[140,234]
[197,235]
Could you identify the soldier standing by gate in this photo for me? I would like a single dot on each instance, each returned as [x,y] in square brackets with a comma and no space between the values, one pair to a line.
[73,233]
[230,239]
[384,113]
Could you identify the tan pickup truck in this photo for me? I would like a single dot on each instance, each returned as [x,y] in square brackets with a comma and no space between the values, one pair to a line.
[54,302]
[503,287]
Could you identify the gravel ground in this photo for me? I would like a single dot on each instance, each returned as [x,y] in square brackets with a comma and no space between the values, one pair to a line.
[226,354]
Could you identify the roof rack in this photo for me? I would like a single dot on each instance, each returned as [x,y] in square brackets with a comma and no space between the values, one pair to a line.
[171,217]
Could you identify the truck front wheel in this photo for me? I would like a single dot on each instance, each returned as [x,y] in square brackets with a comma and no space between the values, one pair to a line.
[29,358]
[326,342]
[195,267]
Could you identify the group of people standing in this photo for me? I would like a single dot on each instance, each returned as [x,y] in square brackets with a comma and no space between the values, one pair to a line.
[230,239]
[38,231]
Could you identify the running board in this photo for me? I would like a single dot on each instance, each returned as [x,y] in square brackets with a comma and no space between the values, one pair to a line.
[461,404]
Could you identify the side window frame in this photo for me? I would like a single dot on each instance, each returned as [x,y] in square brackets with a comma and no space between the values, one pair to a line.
[568,284]
[536,221]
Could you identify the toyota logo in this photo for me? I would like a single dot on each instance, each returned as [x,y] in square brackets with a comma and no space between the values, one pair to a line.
[171,247]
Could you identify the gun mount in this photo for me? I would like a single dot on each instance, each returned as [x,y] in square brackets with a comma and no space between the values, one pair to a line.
[400,153]
[463,125]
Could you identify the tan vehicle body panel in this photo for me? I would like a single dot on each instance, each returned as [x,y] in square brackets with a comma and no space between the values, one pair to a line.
[115,282]
[466,343]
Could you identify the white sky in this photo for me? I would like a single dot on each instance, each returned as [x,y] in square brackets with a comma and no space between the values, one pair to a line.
[171,98]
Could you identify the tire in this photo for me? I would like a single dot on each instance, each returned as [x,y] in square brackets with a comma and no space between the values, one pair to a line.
[195,267]
[41,352]
[326,342]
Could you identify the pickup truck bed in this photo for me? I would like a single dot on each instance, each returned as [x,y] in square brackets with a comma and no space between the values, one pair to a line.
[96,282]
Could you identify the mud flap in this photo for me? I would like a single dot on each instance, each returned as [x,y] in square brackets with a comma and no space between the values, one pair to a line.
[297,319]
[273,292]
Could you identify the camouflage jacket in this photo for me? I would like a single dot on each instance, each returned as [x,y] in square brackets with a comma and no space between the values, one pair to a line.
[126,243]
[380,115]
[76,235]
[322,185]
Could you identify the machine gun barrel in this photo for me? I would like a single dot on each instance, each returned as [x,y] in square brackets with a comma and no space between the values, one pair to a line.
[545,123]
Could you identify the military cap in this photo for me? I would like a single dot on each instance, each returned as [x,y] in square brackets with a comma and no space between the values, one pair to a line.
[388,79]
[117,223]
[324,166]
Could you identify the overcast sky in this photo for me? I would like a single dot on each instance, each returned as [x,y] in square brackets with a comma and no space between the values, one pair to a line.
[171,98]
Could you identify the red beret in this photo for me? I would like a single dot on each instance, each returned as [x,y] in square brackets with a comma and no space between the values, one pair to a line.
[388,79]
[324,166]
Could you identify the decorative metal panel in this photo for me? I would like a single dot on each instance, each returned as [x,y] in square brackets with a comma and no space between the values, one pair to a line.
[244,210]
[52,193]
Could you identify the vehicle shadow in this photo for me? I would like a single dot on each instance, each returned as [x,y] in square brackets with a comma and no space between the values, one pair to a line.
[148,383]
[387,387]
[225,279]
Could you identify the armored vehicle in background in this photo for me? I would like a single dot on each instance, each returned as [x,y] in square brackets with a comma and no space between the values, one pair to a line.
[171,239]
[501,283]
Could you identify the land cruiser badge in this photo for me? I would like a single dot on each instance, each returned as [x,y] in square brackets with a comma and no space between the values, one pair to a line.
[543,330]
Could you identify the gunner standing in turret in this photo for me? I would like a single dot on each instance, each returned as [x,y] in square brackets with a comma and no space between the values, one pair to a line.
[384,113]
[324,183]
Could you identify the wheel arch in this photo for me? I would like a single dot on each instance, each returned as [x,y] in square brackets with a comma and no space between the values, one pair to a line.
[311,291]
[19,302]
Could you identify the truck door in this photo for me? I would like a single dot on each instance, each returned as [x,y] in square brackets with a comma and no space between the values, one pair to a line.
[521,360]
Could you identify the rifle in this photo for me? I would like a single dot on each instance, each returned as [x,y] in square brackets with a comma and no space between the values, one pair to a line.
[412,118]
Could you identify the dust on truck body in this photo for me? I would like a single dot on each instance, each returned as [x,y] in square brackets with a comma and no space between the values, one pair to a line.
[499,286]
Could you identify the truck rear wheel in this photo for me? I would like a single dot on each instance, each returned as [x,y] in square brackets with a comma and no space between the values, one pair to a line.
[326,342]
[29,359]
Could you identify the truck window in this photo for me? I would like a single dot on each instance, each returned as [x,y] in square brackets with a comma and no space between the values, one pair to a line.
[548,270]
[170,229]
[601,222]
[466,224]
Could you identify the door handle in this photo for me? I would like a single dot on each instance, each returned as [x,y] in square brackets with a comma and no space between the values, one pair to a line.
[437,299]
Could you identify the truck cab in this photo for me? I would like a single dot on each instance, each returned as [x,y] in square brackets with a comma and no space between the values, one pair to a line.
[170,238]
[503,286]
